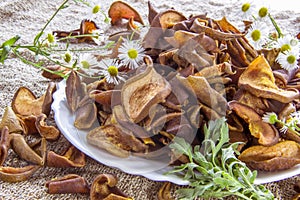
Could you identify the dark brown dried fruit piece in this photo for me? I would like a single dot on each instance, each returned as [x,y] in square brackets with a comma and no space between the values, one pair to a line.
[71,183]
[104,185]
[4,144]
[71,158]
[119,10]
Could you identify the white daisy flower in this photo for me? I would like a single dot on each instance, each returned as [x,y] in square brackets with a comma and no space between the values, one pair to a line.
[263,11]
[98,36]
[296,117]
[110,70]
[88,63]
[288,60]
[68,58]
[257,34]
[288,43]
[270,117]
[131,53]
[246,9]
[96,8]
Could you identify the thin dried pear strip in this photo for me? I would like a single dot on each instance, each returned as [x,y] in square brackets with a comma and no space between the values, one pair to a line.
[28,124]
[114,140]
[142,91]
[20,147]
[259,80]
[12,174]
[4,144]
[205,93]
[71,158]
[75,90]
[214,34]
[71,183]
[46,106]
[11,120]
[281,156]
[86,115]
[266,133]
[104,186]
[46,131]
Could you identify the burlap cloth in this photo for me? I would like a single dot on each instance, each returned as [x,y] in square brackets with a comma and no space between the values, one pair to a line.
[26,18]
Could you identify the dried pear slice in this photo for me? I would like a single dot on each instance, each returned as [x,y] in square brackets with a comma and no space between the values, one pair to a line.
[120,10]
[11,120]
[111,138]
[259,80]
[266,133]
[142,91]
[25,102]
[280,156]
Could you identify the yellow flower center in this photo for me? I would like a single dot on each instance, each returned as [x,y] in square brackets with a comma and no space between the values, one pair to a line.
[113,70]
[85,64]
[67,57]
[285,47]
[291,59]
[246,7]
[263,12]
[50,38]
[132,53]
[255,35]
[96,9]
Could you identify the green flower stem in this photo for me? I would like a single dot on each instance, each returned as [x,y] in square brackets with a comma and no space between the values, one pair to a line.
[24,60]
[48,22]
[275,25]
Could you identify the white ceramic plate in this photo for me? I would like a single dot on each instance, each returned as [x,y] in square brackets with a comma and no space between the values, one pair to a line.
[151,169]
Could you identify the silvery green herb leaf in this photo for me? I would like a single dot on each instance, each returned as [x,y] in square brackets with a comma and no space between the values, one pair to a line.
[213,169]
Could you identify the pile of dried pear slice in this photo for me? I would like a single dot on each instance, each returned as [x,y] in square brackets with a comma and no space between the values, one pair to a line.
[196,69]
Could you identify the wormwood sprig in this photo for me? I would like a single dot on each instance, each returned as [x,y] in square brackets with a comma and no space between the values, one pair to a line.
[213,169]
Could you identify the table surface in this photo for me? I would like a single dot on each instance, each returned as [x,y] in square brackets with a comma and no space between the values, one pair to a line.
[26,18]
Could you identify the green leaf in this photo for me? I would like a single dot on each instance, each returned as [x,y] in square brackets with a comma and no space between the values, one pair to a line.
[6,47]
[214,170]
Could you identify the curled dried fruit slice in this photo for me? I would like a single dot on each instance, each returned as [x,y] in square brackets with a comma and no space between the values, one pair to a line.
[164,192]
[283,155]
[266,133]
[104,187]
[259,80]
[71,183]
[120,10]
[12,174]
[46,131]
[71,158]
[75,91]
[28,123]
[11,120]
[142,91]
[26,103]
[4,144]
[25,152]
